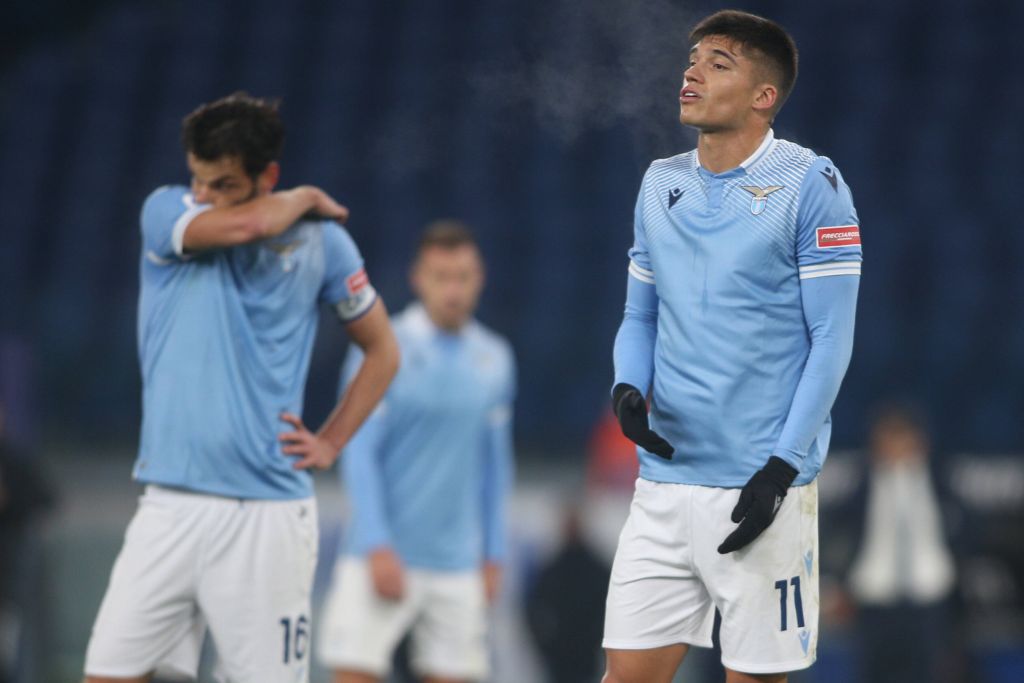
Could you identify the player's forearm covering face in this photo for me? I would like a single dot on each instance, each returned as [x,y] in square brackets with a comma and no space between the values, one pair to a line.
[256,219]
[372,333]
[830,305]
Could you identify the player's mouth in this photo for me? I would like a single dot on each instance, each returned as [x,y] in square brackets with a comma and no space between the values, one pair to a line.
[688,95]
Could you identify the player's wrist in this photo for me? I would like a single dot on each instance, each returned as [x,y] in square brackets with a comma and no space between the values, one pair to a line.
[780,473]
[619,392]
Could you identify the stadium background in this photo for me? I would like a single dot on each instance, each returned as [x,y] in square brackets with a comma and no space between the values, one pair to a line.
[533,121]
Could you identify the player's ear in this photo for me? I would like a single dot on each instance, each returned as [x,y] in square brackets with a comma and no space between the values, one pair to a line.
[765,97]
[267,180]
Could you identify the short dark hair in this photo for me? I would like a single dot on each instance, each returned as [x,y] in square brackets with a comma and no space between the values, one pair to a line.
[238,125]
[447,233]
[759,34]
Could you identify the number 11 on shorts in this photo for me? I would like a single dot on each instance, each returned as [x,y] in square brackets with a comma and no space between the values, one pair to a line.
[782,586]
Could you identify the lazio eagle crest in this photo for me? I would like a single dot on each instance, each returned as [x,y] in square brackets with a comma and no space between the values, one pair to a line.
[760,196]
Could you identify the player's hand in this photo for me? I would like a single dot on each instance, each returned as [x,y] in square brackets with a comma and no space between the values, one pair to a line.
[324,205]
[309,449]
[492,581]
[631,409]
[387,574]
[759,500]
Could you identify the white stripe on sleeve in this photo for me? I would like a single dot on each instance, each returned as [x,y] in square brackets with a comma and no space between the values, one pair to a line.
[829,269]
[641,274]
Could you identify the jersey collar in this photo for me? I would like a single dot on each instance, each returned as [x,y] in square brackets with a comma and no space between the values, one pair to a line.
[760,153]
[421,324]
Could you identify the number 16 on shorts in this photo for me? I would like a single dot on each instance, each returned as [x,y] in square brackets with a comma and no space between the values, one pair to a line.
[296,637]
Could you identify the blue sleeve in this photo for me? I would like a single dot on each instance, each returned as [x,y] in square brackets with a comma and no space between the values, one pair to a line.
[829,257]
[828,230]
[360,470]
[633,353]
[166,213]
[499,468]
[346,285]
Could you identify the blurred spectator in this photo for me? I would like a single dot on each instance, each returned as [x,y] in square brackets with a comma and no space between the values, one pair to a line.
[24,496]
[565,608]
[903,574]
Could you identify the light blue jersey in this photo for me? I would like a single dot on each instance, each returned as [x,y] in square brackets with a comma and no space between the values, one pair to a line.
[225,338]
[429,471]
[740,309]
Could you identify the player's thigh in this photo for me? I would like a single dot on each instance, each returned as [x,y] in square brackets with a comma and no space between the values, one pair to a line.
[449,639]
[255,589]
[655,665]
[766,592]
[359,630]
[148,616]
[656,597]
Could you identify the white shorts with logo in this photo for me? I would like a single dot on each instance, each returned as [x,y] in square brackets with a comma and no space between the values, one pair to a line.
[190,561]
[668,578]
[446,612]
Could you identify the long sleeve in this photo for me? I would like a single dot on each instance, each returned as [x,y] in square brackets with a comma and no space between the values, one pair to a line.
[633,353]
[830,305]
[499,466]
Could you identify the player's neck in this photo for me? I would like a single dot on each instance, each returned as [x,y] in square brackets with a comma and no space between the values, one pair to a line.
[721,151]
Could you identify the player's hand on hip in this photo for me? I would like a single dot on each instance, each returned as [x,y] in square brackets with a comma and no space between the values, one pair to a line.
[492,581]
[759,501]
[631,409]
[307,448]
[387,573]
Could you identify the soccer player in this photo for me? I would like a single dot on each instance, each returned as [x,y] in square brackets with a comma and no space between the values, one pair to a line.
[428,474]
[225,536]
[740,304]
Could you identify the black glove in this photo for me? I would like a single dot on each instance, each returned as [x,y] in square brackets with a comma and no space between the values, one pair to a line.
[759,500]
[631,409]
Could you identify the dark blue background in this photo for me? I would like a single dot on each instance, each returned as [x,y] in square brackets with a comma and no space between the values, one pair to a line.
[532,120]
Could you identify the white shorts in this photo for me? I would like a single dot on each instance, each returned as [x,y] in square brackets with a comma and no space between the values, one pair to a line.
[242,568]
[668,578]
[446,611]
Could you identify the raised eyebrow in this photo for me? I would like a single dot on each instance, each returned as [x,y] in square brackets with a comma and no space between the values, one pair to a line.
[717,51]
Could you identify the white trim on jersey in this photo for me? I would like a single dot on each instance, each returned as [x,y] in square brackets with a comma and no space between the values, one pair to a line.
[829,269]
[350,308]
[641,274]
[180,225]
[762,151]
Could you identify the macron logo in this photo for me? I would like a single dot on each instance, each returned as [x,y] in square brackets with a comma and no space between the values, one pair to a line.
[837,236]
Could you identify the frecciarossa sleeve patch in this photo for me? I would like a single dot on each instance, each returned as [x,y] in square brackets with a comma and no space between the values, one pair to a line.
[838,236]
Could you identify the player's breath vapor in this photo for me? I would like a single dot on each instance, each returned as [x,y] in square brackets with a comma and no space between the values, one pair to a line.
[574,68]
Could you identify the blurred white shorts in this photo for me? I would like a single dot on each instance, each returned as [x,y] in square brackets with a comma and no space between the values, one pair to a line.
[668,578]
[445,611]
[242,568]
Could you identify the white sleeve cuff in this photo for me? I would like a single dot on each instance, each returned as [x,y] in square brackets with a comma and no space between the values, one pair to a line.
[641,274]
[356,305]
[178,233]
[830,269]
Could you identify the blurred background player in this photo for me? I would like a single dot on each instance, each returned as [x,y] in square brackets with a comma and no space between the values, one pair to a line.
[232,275]
[428,475]
[903,576]
[740,305]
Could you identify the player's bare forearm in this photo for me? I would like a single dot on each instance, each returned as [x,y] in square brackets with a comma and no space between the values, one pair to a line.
[373,334]
[258,219]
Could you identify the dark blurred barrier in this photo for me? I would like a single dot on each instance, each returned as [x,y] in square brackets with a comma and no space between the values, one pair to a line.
[533,121]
